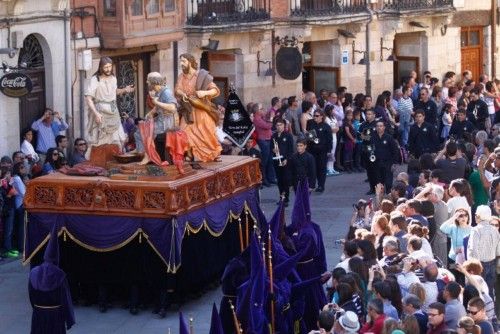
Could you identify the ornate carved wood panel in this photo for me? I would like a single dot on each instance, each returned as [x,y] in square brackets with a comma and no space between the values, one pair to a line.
[94,195]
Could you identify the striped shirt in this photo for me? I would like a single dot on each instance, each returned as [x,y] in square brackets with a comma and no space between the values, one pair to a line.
[405,108]
[484,242]
[47,133]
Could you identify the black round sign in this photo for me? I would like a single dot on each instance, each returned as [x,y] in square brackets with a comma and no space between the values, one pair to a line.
[15,84]
[289,63]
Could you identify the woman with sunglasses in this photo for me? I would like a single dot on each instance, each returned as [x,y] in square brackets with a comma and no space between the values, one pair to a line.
[52,161]
[319,148]
[457,228]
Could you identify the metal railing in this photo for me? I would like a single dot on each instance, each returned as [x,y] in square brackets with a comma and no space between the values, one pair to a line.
[401,5]
[326,7]
[220,12]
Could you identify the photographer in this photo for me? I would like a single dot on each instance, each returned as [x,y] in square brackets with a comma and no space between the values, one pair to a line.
[447,160]
[48,127]
[361,217]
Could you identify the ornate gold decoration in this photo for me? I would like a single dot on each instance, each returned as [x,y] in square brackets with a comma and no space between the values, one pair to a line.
[45,196]
[154,200]
[122,199]
[78,197]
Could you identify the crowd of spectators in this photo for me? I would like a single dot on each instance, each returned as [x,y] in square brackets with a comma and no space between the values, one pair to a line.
[43,150]
[423,256]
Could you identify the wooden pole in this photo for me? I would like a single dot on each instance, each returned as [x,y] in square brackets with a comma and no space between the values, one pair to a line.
[271,279]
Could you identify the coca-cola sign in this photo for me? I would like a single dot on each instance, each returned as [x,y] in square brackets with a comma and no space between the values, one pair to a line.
[15,84]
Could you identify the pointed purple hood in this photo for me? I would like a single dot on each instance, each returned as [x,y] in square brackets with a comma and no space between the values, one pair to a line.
[183,326]
[252,294]
[216,324]
[48,276]
[301,213]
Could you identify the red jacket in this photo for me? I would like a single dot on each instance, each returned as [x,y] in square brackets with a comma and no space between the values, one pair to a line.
[437,330]
[373,326]
[262,126]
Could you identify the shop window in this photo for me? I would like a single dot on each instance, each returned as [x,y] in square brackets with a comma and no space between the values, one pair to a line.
[153,7]
[324,78]
[169,5]
[136,7]
[474,38]
[463,38]
[109,8]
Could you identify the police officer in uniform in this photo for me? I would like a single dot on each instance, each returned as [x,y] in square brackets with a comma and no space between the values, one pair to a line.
[367,129]
[461,126]
[422,138]
[320,147]
[386,155]
[282,150]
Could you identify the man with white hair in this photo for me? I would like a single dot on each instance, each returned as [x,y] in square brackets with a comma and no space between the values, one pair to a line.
[435,193]
[484,245]
[390,251]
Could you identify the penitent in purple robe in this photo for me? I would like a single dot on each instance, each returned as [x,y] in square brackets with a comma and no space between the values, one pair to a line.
[308,240]
[49,293]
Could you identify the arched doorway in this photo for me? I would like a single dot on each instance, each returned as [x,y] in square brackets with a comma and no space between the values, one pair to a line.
[31,63]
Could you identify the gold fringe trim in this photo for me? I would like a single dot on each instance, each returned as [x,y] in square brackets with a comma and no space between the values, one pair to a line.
[37,249]
[170,268]
[231,215]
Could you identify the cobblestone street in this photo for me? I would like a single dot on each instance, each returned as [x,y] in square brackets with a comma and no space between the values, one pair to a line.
[331,210]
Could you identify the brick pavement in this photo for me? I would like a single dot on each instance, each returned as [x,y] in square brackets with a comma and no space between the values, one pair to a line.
[331,211]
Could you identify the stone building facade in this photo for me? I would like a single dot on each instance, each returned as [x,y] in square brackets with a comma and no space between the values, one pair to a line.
[37,32]
[239,41]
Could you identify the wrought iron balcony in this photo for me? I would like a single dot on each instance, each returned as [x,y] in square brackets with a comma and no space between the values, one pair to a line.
[409,5]
[307,8]
[222,12]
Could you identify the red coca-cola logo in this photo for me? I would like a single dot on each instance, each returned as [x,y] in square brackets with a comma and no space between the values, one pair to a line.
[15,84]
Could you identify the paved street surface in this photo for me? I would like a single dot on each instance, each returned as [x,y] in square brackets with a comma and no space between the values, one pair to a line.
[331,211]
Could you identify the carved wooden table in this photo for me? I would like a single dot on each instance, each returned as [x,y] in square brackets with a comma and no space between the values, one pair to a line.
[155,198]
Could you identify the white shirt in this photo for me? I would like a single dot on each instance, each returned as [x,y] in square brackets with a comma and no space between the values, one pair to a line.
[28,149]
[458,202]
[220,134]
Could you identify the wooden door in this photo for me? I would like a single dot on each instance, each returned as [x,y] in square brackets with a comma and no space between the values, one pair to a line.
[471,50]
[32,106]
[403,67]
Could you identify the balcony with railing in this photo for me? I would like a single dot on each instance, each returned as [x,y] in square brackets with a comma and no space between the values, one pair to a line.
[227,12]
[326,8]
[417,5]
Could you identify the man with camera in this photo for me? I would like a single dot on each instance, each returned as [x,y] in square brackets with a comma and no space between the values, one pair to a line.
[450,163]
[367,129]
[48,127]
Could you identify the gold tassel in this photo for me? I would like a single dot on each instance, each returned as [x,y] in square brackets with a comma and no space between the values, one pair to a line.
[64,235]
[140,237]
[296,327]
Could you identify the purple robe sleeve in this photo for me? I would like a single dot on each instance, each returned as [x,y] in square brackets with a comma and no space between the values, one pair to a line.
[67,305]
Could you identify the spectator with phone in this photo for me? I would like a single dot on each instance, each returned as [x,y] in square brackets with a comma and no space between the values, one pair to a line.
[48,127]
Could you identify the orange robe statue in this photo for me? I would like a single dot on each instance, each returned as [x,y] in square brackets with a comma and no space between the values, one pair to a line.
[201,132]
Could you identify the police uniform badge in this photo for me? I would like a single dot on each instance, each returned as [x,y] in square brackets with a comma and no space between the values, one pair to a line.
[424,129]
[385,142]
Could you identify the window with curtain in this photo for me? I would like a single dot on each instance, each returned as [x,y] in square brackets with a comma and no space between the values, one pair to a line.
[153,6]
[136,7]
[109,8]
[169,5]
